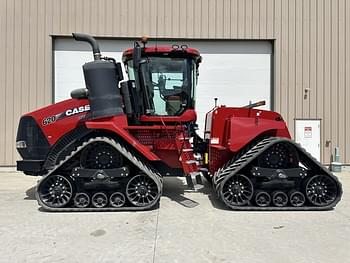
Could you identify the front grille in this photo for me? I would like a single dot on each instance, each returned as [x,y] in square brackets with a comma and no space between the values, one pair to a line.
[36,142]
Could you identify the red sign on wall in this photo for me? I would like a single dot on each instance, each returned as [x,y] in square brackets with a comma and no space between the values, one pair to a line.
[307,132]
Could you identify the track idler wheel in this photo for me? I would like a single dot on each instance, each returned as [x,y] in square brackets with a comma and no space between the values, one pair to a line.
[321,190]
[141,191]
[296,198]
[81,200]
[279,198]
[237,190]
[117,199]
[262,199]
[99,200]
[55,191]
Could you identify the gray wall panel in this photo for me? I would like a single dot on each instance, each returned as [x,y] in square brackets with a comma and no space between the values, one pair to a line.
[312,47]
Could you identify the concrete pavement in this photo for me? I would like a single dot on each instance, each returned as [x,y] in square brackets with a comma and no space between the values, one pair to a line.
[188,227]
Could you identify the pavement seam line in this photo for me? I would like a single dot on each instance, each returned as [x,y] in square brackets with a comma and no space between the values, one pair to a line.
[155,237]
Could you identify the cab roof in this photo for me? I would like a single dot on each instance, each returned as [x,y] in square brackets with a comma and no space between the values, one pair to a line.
[164,50]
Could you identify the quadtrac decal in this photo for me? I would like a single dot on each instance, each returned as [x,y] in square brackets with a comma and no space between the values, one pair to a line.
[67,113]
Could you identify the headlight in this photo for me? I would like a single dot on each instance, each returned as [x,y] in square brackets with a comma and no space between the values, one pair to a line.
[21,144]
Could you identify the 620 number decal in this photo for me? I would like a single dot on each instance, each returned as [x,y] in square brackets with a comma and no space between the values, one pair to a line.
[49,120]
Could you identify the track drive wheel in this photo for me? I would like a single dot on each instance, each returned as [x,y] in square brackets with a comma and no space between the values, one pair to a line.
[142,190]
[237,190]
[279,156]
[321,190]
[100,155]
[55,191]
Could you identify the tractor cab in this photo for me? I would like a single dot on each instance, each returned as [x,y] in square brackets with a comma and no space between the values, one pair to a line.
[162,79]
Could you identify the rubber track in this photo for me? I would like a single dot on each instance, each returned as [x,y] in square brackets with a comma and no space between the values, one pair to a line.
[127,154]
[232,168]
[66,143]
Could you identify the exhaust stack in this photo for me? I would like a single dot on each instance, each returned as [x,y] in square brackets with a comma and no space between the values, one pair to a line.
[92,41]
[102,78]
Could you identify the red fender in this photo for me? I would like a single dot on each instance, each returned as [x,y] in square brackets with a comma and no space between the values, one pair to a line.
[117,125]
[246,129]
[233,128]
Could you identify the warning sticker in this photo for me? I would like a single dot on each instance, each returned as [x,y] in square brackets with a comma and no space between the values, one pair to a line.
[307,132]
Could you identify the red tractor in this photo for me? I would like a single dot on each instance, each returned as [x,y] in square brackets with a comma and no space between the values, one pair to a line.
[108,147]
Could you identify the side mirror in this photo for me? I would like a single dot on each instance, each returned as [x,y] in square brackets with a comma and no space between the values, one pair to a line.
[79,94]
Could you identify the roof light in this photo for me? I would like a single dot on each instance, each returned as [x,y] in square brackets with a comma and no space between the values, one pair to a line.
[144,40]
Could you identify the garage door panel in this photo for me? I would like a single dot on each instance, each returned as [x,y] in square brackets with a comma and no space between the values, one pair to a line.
[236,72]
[235,79]
[68,70]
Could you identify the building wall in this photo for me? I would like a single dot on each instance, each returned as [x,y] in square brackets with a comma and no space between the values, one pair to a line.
[312,50]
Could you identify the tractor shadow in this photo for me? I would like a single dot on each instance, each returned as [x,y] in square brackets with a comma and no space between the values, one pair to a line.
[30,193]
[175,188]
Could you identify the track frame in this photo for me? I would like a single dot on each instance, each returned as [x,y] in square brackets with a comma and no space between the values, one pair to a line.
[235,167]
[133,158]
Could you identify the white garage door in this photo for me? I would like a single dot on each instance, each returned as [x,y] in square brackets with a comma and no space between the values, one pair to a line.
[235,72]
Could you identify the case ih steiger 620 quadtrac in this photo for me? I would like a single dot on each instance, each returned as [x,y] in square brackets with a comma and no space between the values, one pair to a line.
[108,147]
